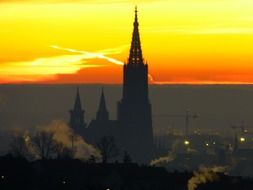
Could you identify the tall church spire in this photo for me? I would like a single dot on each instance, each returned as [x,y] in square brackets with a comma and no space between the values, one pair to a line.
[134,109]
[135,56]
[102,113]
[135,76]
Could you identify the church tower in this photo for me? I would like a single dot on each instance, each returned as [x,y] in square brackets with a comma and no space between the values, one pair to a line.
[102,113]
[134,109]
[77,121]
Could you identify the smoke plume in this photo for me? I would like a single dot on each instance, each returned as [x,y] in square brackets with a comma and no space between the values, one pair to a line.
[204,175]
[162,160]
[65,135]
[175,148]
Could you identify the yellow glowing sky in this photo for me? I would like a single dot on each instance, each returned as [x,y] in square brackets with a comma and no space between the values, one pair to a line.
[85,41]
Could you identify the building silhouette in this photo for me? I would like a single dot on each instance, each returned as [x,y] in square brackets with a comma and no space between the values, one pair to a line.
[77,114]
[102,113]
[133,128]
[134,109]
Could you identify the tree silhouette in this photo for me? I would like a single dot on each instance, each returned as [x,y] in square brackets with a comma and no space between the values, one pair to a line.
[44,144]
[63,152]
[19,146]
[108,148]
[126,158]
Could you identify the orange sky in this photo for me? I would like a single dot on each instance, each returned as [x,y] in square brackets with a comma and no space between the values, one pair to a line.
[84,41]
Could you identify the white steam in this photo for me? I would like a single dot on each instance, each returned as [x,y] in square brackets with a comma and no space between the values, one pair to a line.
[162,160]
[204,175]
[65,135]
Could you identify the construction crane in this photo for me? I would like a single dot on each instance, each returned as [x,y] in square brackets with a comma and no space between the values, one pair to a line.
[187,116]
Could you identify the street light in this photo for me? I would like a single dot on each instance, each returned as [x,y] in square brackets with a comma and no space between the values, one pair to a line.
[242,139]
[186,142]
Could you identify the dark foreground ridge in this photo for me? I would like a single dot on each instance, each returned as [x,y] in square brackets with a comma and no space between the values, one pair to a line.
[17,173]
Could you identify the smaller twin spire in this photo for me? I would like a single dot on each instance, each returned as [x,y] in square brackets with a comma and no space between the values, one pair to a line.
[77,120]
[77,105]
[102,113]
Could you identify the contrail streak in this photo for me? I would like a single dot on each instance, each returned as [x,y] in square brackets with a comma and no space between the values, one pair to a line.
[153,81]
[90,55]
[93,55]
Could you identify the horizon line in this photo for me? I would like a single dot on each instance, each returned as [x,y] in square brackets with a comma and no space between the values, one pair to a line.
[150,84]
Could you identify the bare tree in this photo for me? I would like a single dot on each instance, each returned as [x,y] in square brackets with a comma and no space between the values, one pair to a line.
[44,144]
[126,158]
[63,152]
[19,146]
[108,148]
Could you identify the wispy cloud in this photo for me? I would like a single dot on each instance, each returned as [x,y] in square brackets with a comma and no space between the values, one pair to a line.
[109,59]
[41,68]
[49,67]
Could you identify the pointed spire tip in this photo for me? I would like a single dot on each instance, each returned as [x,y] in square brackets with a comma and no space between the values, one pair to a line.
[102,91]
[77,104]
[77,90]
[136,11]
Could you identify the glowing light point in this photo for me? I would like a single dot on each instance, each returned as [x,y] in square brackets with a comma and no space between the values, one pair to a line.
[242,139]
[186,142]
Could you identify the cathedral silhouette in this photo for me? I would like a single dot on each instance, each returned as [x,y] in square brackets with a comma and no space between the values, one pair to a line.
[133,128]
